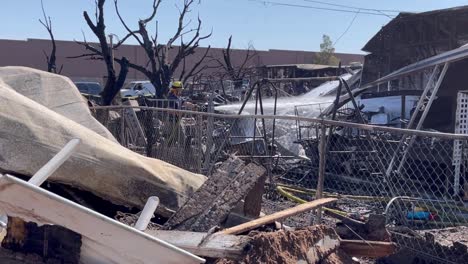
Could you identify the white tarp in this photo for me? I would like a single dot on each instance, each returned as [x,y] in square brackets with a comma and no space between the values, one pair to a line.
[31,134]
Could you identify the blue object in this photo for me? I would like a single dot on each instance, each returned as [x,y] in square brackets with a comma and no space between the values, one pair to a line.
[418,215]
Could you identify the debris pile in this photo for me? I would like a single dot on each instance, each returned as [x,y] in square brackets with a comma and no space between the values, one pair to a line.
[315,244]
[43,111]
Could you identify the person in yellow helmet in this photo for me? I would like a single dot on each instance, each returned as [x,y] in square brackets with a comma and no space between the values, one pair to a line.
[174,93]
[173,96]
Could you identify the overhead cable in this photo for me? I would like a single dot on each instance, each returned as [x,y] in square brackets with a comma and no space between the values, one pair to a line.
[355,7]
[275,3]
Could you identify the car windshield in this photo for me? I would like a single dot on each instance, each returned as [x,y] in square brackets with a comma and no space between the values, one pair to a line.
[82,87]
[129,86]
[94,88]
[89,88]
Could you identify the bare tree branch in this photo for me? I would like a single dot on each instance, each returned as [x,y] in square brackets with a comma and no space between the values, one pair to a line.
[130,32]
[51,60]
[194,68]
[161,67]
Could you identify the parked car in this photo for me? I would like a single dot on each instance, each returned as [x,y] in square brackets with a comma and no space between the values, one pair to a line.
[89,88]
[138,88]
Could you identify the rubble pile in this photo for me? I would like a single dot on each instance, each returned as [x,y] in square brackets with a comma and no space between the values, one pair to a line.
[225,217]
[315,244]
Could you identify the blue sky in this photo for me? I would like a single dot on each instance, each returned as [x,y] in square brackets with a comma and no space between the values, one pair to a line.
[265,25]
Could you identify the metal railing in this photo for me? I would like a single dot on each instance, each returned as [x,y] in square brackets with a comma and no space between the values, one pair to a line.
[413,184]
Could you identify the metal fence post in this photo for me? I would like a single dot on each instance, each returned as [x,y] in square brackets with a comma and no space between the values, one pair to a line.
[322,161]
[209,136]
[122,128]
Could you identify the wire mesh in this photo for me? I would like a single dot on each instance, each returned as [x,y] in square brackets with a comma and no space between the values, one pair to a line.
[407,175]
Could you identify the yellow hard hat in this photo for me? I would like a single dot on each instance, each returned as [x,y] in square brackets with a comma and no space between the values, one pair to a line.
[177,85]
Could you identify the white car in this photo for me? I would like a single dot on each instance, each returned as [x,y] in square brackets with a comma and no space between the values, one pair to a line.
[138,88]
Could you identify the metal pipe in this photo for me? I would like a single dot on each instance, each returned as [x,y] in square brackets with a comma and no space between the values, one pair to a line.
[147,213]
[412,119]
[50,167]
[424,115]
[274,120]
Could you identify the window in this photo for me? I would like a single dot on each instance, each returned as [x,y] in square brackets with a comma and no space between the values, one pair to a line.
[82,87]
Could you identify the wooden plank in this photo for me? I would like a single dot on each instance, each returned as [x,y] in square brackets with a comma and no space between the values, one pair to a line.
[277,216]
[371,249]
[215,246]
[253,200]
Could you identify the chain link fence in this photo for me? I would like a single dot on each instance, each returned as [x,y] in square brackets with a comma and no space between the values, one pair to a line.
[417,179]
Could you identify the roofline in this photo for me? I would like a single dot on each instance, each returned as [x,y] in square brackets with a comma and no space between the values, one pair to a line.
[405,15]
[446,57]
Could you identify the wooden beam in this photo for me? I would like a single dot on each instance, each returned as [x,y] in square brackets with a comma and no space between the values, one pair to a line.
[214,246]
[205,195]
[228,198]
[277,216]
[371,249]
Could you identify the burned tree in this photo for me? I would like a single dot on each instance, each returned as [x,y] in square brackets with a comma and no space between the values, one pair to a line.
[235,73]
[162,63]
[52,58]
[103,52]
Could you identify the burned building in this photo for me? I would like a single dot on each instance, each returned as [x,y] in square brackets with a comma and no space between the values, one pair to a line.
[412,37]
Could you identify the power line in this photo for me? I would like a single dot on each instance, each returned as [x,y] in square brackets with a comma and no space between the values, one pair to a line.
[355,7]
[274,3]
[346,30]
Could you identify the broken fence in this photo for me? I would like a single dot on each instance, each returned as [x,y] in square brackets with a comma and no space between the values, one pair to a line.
[418,179]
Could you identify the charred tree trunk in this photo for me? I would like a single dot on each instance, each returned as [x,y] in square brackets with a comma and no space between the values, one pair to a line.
[109,94]
[113,83]
[52,58]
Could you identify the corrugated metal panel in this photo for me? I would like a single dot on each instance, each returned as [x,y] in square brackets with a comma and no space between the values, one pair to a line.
[104,239]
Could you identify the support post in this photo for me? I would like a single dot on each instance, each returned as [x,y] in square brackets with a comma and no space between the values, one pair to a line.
[209,136]
[50,167]
[322,162]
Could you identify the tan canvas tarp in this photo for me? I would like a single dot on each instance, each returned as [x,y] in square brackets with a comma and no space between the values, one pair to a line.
[54,92]
[31,134]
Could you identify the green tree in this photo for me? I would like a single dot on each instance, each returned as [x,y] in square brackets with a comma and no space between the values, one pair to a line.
[326,55]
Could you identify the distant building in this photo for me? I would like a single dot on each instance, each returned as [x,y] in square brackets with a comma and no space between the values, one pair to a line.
[30,53]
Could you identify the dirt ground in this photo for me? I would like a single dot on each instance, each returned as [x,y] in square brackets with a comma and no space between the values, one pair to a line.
[291,247]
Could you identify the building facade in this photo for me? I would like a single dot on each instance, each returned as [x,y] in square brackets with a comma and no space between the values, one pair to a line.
[30,53]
